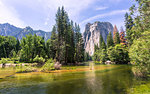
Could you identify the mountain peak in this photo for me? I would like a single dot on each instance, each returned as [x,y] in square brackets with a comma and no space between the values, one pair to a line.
[7,29]
[27,29]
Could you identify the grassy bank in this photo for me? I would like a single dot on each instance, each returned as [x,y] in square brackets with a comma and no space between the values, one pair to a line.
[5,72]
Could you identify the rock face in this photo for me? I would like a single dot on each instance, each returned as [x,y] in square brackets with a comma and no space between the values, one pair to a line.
[10,30]
[92,34]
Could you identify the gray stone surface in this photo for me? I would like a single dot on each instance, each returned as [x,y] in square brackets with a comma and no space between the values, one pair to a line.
[92,34]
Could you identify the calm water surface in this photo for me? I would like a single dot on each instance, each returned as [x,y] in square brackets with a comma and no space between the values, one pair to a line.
[114,81]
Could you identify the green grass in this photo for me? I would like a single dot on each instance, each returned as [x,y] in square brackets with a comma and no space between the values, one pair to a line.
[140,89]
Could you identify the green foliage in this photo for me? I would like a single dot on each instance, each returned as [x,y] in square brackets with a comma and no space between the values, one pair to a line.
[110,40]
[31,47]
[129,24]
[51,44]
[103,56]
[118,54]
[70,47]
[38,59]
[137,40]
[139,53]
[116,38]
[49,65]
[86,56]
[96,56]
[100,54]
[142,88]
[6,60]
[25,69]
[3,61]
[8,45]
[65,45]
[137,24]
[97,62]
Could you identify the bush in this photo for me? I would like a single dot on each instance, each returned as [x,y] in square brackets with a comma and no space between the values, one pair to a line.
[25,69]
[139,53]
[49,65]
[38,59]
[118,54]
[6,60]
[3,61]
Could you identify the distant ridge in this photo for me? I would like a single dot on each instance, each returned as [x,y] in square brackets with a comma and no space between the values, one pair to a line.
[7,29]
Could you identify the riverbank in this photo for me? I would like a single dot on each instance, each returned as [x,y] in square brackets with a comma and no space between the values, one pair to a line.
[6,72]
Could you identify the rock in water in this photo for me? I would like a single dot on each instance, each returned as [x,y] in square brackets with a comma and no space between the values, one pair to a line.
[92,34]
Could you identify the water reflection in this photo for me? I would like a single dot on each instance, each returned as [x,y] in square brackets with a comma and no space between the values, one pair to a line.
[116,81]
[94,84]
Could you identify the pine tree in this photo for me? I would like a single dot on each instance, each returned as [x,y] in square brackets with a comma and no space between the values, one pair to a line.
[52,44]
[129,24]
[110,40]
[122,36]
[102,44]
[117,38]
[70,46]
[18,46]
[100,41]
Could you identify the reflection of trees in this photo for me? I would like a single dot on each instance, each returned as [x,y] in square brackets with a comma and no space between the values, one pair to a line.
[117,81]
[93,83]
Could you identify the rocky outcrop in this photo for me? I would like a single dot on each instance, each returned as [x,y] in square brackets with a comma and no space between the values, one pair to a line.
[92,34]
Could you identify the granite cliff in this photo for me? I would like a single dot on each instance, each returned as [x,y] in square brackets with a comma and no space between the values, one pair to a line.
[92,34]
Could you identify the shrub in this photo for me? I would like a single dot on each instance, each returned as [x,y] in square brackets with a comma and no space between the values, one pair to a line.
[38,59]
[118,54]
[3,61]
[6,60]
[49,65]
[24,69]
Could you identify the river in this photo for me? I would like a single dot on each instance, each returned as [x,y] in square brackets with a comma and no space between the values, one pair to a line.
[115,80]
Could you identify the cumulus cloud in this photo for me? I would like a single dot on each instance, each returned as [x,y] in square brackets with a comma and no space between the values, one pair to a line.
[9,15]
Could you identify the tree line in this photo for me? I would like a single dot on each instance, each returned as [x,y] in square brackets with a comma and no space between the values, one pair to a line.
[65,45]
[137,23]
[131,46]
[115,48]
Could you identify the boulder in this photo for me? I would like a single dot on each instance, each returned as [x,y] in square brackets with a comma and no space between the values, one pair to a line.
[108,62]
[1,65]
[8,65]
[57,66]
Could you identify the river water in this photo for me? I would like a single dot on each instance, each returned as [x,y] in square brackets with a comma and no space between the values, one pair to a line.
[117,80]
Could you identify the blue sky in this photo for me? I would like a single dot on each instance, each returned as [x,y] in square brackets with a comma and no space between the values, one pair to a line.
[40,14]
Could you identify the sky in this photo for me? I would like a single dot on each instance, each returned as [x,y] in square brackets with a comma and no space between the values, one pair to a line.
[40,14]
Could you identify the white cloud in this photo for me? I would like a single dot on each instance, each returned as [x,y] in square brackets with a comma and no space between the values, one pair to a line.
[73,7]
[104,15]
[9,15]
[101,8]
